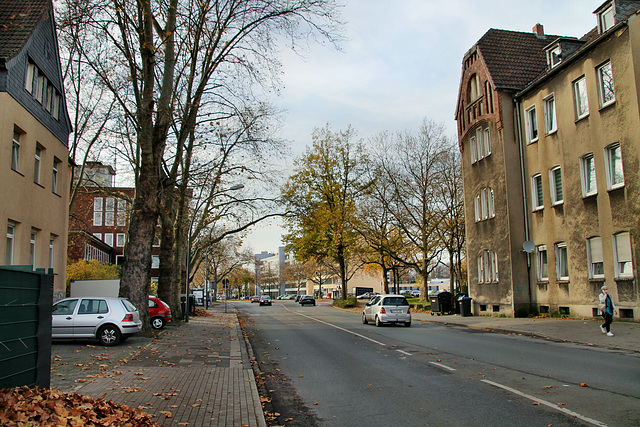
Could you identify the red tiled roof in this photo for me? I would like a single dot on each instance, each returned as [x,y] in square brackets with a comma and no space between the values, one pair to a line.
[18,18]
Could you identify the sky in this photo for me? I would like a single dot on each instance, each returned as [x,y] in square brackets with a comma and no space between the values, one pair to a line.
[400,63]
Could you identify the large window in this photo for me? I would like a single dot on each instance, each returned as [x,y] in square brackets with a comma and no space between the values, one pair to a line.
[15,150]
[588,175]
[97,211]
[541,263]
[109,214]
[594,256]
[549,105]
[555,185]
[562,261]
[10,244]
[613,165]
[537,198]
[121,216]
[580,94]
[605,85]
[622,255]
[487,267]
[531,124]
[484,205]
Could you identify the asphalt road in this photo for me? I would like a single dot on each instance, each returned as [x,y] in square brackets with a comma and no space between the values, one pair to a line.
[324,367]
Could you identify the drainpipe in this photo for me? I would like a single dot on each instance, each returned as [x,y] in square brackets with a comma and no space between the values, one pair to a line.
[524,198]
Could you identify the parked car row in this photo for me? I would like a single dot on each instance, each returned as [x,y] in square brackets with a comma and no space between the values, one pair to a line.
[109,320]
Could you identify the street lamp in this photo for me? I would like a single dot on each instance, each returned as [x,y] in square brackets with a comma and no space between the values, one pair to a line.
[233,188]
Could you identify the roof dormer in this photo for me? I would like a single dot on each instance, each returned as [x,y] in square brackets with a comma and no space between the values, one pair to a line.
[606,16]
[611,12]
[560,49]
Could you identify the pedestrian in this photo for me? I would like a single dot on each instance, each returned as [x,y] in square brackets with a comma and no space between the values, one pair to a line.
[607,309]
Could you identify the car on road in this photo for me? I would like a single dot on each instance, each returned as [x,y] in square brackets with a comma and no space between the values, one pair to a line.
[255,298]
[265,300]
[110,320]
[307,299]
[387,308]
[159,312]
[415,293]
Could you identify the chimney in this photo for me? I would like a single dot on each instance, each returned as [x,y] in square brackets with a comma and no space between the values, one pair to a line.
[539,30]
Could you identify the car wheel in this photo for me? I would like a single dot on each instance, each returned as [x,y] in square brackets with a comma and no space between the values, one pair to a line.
[157,323]
[364,319]
[109,335]
[314,304]
[407,324]
[378,322]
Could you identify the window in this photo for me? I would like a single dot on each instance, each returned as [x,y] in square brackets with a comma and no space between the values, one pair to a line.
[474,150]
[605,85]
[37,163]
[588,175]
[121,216]
[494,266]
[108,239]
[531,124]
[41,84]
[109,215]
[474,88]
[97,211]
[492,209]
[536,192]
[580,92]
[121,238]
[15,150]
[52,243]
[487,142]
[481,268]
[32,247]
[477,208]
[555,185]
[594,256]
[49,100]
[562,266]
[54,175]
[11,243]
[56,106]
[155,261]
[479,143]
[156,242]
[483,203]
[97,236]
[555,56]
[622,255]
[549,106]
[605,19]
[28,78]
[541,263]
[613,165]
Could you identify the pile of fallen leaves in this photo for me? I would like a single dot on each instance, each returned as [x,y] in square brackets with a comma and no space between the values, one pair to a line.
[24,406]
[201,312]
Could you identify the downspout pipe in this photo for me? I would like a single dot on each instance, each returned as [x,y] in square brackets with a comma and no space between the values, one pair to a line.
[518,129]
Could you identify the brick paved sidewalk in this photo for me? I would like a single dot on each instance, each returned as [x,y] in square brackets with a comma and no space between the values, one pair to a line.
[198,374]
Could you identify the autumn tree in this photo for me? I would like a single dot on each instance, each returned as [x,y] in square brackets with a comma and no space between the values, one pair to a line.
[321,199]
[160,60]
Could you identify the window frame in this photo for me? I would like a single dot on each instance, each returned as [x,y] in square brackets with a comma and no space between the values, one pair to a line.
[585,178]
[55,174]
[619,273]
[594,272]
[550,119]
[121,240]
[52,247]
[97,213]
[15,150]
[554,55]
[473,149]
[553,186]
[542,263]
[610,166]
[487,142]
[603,21]
[602,89]
[10,245]
[537,192]
[581,102]
[531,124]
[562,261]
[33,247]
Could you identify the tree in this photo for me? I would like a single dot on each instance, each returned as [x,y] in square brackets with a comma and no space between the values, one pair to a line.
[321,198]
[159,60]
[91,270]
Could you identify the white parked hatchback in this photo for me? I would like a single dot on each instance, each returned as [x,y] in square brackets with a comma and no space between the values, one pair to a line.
[110,320]
[387,309]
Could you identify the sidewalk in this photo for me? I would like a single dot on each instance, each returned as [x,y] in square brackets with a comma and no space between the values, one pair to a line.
[587,332]
[198,374]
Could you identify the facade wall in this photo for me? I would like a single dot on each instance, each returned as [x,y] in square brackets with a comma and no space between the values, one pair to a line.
[30,205]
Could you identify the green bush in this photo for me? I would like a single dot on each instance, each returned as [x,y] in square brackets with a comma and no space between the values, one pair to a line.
[350,302]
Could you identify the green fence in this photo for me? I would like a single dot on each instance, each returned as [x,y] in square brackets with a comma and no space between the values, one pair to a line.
[25,327]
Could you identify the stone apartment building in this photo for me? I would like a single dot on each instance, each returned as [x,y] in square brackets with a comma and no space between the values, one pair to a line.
[34,129]
[549,132]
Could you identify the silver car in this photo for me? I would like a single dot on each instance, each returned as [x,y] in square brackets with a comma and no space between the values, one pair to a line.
[110,320]
[387,309]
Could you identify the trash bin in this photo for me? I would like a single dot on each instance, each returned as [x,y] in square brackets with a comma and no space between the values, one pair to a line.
[464,303]
[441,303]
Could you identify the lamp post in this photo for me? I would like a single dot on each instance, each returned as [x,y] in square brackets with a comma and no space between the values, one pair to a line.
[189,238]
[319,284]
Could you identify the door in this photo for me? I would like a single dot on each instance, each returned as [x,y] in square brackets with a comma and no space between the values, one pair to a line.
[62,318]
[91,314]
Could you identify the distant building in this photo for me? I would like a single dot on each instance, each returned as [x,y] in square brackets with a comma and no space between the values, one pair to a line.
[34,131]
[548,128]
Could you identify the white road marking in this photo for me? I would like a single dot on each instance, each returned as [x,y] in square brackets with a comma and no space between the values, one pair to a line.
[549,404]
[443,366]
[338,327]
[404,352]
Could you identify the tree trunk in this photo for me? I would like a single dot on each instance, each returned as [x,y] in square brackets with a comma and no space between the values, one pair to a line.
[166,284]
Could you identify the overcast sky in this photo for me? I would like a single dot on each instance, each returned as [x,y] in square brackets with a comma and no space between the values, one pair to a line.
[401,62]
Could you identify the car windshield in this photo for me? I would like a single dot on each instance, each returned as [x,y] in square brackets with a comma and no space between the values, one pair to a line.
[395,301]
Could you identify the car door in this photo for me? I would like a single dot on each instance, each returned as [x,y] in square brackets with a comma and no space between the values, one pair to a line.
[62,317]
[369,309]
[92,313]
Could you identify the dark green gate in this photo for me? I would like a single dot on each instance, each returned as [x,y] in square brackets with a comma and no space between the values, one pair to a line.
[25,327]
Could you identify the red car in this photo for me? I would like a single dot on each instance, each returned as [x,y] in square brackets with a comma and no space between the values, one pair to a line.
[255,298]
[159,312]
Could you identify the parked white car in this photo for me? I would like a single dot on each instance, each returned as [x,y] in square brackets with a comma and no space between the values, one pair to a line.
[387,308]
[110,320]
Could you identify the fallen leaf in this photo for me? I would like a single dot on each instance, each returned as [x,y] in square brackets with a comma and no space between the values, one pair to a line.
[583,385]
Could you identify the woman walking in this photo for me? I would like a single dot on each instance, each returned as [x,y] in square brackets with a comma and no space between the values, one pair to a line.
[607,308]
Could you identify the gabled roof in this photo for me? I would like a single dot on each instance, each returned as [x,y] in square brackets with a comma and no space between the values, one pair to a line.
[514,58]
[18,19]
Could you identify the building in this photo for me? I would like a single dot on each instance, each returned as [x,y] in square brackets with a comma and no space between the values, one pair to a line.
[548,127]
[99,219]
[35,170]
